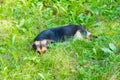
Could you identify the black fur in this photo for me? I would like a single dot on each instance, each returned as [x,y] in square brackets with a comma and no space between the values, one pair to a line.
[60,33]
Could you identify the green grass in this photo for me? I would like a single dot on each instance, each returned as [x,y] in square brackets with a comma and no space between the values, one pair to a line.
[22,20]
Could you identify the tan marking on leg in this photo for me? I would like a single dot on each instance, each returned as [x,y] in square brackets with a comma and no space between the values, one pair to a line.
[88,35]
[78,35]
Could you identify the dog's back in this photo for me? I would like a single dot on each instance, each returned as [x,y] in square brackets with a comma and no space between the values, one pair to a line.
[60,33]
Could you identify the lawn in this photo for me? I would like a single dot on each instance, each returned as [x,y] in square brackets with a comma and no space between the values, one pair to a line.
[22,20]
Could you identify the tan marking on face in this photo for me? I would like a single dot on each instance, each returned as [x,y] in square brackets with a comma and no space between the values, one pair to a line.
[43,42]
[41,45]
[46,41]
[37,42]
[41,50]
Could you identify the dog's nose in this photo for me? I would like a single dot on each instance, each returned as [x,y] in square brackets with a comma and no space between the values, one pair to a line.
[44,51]
[41,52]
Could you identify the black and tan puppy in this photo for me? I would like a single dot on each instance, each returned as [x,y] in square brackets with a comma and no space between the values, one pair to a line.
[57,35]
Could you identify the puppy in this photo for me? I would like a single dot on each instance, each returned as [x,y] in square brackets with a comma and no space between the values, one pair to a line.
[59,34]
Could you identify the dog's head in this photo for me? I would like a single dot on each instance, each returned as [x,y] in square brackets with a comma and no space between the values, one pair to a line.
[41,46]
